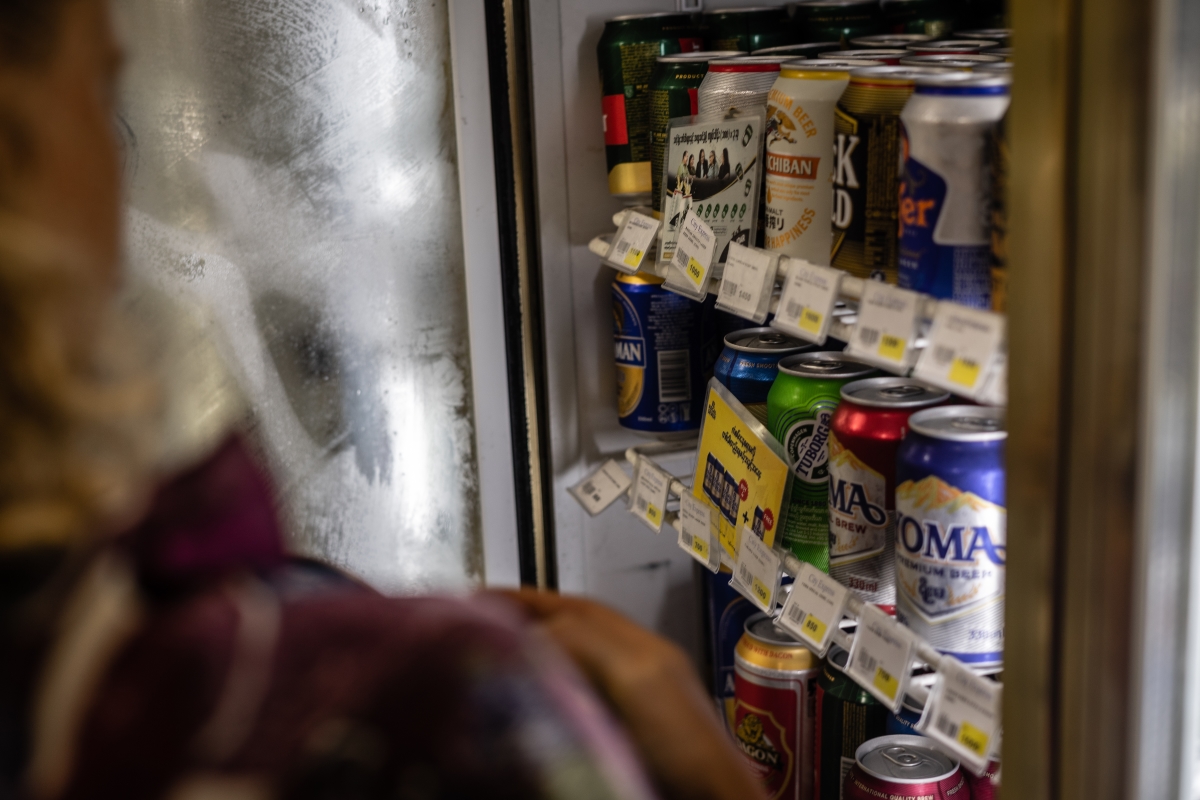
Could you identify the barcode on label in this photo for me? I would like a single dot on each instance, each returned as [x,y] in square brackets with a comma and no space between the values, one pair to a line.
[868,336]
[744,575]
[686,538]
[796,614]
[674,376]
[942,355]
[946,726]
[622,249]
[642,504]
[729,287]
[869,662]
[793,309]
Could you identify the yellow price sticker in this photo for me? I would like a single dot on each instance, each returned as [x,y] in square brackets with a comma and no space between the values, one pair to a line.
[700,547]
[886,682]
[814,628]
[761,591]
[654,514]
[633,257]
[964,372]
[892,347]
[811,320]
[695,271]
[973,739]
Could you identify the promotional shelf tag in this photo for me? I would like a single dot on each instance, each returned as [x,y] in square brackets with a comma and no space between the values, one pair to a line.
[963,714]
[693,259]
[633,241]
[757,572]
[963,343]
[806,303]
[651,485]
[887,327]
[814,608]
[599,490]
[698,532]
[748,282]
[881,656]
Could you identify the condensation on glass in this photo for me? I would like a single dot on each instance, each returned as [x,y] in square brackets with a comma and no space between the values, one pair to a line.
[291,169]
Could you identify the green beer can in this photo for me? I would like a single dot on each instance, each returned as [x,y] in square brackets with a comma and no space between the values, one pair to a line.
[936,19]
[840,20]
[673,87]
[800,407]
[627,52]
[748,29]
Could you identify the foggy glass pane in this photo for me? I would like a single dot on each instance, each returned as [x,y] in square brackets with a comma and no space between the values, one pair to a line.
[291,167]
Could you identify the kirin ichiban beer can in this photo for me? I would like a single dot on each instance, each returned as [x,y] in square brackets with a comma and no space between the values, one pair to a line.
[674,92]
[951,531]
[799,51]
[886,57]
[627,51]
[728,611]
[890,41]
[900,767]
[843,20]
[749,363]
[962,62]
[739,84]
[866,170]
[773,724]
[747,29]
[933,18]
[800,410]
[656,340]
[957,47]
[846,716]
[945,241]
[864,438]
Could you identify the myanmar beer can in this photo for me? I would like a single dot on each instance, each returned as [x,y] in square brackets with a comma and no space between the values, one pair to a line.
[904,722]
[749,363]
[866,170]
[737,83]
[962,62]
[728,611]
[933,18]
[748,29]
[626,52]
[826,20]
[800,410]
[945,241]
[1001,35]
[890,41]
[774,678]
[900,767]
[888,57]
[799,51]
[674,88]
[951,531]
[864,438]
[656,340]
[846,716]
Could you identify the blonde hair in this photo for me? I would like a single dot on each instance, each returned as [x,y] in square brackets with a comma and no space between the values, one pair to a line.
[77,408]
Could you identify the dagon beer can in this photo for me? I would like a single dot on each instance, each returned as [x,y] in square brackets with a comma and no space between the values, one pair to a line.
[627,51]
[847,715]
[899,767]
[749,363]
[951,531]
[945,240]
[747,29]
[657,339]
[864,438]
[773,711]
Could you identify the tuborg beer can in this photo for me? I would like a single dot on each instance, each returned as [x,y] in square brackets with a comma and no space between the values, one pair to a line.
[944,233]
[826,20]
[799,411]
[674,87]
[864,437]
[935,19]
[799,51]
[749,363]
[737,83]
[966,62]
[748,29]
[656,341]
[951,531]
[901,767]
[889,41]
[866,170]
[889,57]
[961,47]
[627,51]
[773,713]
[846,716]
[728,611]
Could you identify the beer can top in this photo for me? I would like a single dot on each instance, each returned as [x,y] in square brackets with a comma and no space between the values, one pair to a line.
[890,40]
[953,46]
[764,340]
[630,17]
[965,83]
[799,49]
[892,393]
[959,423]
[904,759]
[824,365]
[746,10]
[747,64]
[959,61]
[1002,67]
[772,650]
[699,56]
[987,34]
[870,55]
[639,279]
[812,67]
[894,74]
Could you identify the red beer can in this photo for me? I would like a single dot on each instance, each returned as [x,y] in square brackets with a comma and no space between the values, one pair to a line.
[900,767]
[864,439]
[983,787]
[774,682]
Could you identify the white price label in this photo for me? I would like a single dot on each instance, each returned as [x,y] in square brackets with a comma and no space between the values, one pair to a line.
[963,714]
[651,485]
[994,391]
[756,574]
[698,531]
[633,241]
[695,250]
[963,343]
[806,303]
[881,656]
[814,608]
[599,490]
[749,275]
[887,326]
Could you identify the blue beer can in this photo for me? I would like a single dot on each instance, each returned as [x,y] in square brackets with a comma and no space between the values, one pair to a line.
[727,615]
[658,343]
[904,722]
[750,361]
[951,532]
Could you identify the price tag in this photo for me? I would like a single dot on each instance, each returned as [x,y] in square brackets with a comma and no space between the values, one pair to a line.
[599,490]
[881,656]
[633,241]
[994,391]
[963,714]
[806,303]
[748,281]
[693,255]
[963,343]
[756,574]
[698,531]
[650,487]
[887,326]
[814,608]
